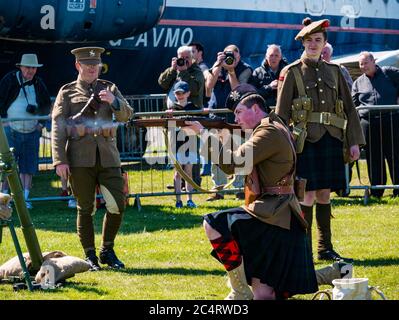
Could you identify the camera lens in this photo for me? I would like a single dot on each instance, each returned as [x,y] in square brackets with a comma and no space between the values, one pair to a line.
[31,108]
[180,62]
[229,59]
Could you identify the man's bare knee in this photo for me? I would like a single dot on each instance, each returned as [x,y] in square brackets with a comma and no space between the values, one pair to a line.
[210,232]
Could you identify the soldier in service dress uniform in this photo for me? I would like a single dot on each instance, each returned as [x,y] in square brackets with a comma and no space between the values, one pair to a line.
[314,98]
[264,242]
[85,151]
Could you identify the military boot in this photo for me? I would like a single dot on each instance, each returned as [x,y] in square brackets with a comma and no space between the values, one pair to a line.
[240,289]
[92,260]
[108,256]
[338,270]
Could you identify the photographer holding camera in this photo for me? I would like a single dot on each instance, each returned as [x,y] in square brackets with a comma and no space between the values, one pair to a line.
[226,74]
[23,94]
[184,68]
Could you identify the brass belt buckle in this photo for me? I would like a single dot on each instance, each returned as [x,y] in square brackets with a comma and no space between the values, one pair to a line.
[325,118]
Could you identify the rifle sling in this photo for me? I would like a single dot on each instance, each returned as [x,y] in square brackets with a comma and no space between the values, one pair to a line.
[184,175]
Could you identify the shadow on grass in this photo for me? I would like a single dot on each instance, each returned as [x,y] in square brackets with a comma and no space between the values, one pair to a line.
[379,262]
[57,217]
[170,271]
[153,218]
[83,287]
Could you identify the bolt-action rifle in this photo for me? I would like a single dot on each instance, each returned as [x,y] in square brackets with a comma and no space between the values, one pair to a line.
[208,123]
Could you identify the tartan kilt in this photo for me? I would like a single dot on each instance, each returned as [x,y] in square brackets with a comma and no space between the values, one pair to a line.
[322,164]
[285,260]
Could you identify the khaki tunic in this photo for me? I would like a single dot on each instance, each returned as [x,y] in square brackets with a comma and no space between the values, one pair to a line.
[81,152]
[321,86]
[274,158]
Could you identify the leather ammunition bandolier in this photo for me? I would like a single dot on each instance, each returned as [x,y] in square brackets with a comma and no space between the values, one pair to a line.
[302,113]
[82,123]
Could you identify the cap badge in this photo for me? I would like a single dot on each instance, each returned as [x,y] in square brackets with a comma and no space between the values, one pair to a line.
[235,95]
[92,53]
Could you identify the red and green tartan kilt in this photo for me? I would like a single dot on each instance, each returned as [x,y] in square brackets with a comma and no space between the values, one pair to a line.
[280,258]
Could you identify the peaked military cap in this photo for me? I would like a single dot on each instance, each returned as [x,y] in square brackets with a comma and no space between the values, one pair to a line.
[88,55]
[240,92]
[316,26]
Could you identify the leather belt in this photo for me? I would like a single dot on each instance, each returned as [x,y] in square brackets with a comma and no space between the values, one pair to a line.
[279,190]
[81,131]
[327,118]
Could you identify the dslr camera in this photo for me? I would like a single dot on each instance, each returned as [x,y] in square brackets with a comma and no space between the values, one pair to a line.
[31,108]
[229,59]
[181,62]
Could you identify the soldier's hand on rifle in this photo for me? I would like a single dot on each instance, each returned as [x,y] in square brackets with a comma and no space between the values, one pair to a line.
[106,96]
[63,171]
[354,152]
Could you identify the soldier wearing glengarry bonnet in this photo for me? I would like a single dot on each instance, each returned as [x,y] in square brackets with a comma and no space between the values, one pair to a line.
[85,151]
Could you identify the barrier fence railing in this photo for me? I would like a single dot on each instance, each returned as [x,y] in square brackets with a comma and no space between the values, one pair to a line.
[380,155]
[142,150]
[144,154]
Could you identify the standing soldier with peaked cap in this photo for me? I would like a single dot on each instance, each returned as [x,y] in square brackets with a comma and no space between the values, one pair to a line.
[314,97]
[84,149]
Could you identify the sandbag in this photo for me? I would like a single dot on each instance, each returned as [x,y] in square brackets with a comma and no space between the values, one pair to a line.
[56,269]
[56,264]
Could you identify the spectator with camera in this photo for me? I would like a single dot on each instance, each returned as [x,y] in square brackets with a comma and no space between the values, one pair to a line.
[265,77]
[226,73]
[198,54]
[184,68]
[23,94]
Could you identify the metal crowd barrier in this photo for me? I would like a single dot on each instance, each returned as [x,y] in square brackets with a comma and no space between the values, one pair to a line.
[143,155]
[381,154]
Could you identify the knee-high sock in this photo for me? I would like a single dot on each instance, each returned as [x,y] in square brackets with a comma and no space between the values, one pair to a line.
[323,218]
[228,252]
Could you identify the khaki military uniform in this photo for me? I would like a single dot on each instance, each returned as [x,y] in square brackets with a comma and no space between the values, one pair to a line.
[93,157]
[322,162]
[271,232]
[324,84]
[274,158]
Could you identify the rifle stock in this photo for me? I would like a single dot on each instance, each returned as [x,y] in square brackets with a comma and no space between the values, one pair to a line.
[208,123]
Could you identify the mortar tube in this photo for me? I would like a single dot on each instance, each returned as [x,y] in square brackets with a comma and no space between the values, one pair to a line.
[28,230]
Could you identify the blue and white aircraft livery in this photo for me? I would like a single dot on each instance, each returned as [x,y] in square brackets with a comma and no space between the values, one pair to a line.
[141,36]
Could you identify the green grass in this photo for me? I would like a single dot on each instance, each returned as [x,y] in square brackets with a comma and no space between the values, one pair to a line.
[167,254]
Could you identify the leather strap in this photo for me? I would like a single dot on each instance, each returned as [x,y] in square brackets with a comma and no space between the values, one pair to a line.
[327,118]
[184,175]
[278,190]
[299,82]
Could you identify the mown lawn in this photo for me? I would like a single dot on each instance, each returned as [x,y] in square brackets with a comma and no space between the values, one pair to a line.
[167,254]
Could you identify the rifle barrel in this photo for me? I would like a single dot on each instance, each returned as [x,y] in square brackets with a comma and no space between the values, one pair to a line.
[180,113]
[181,122]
